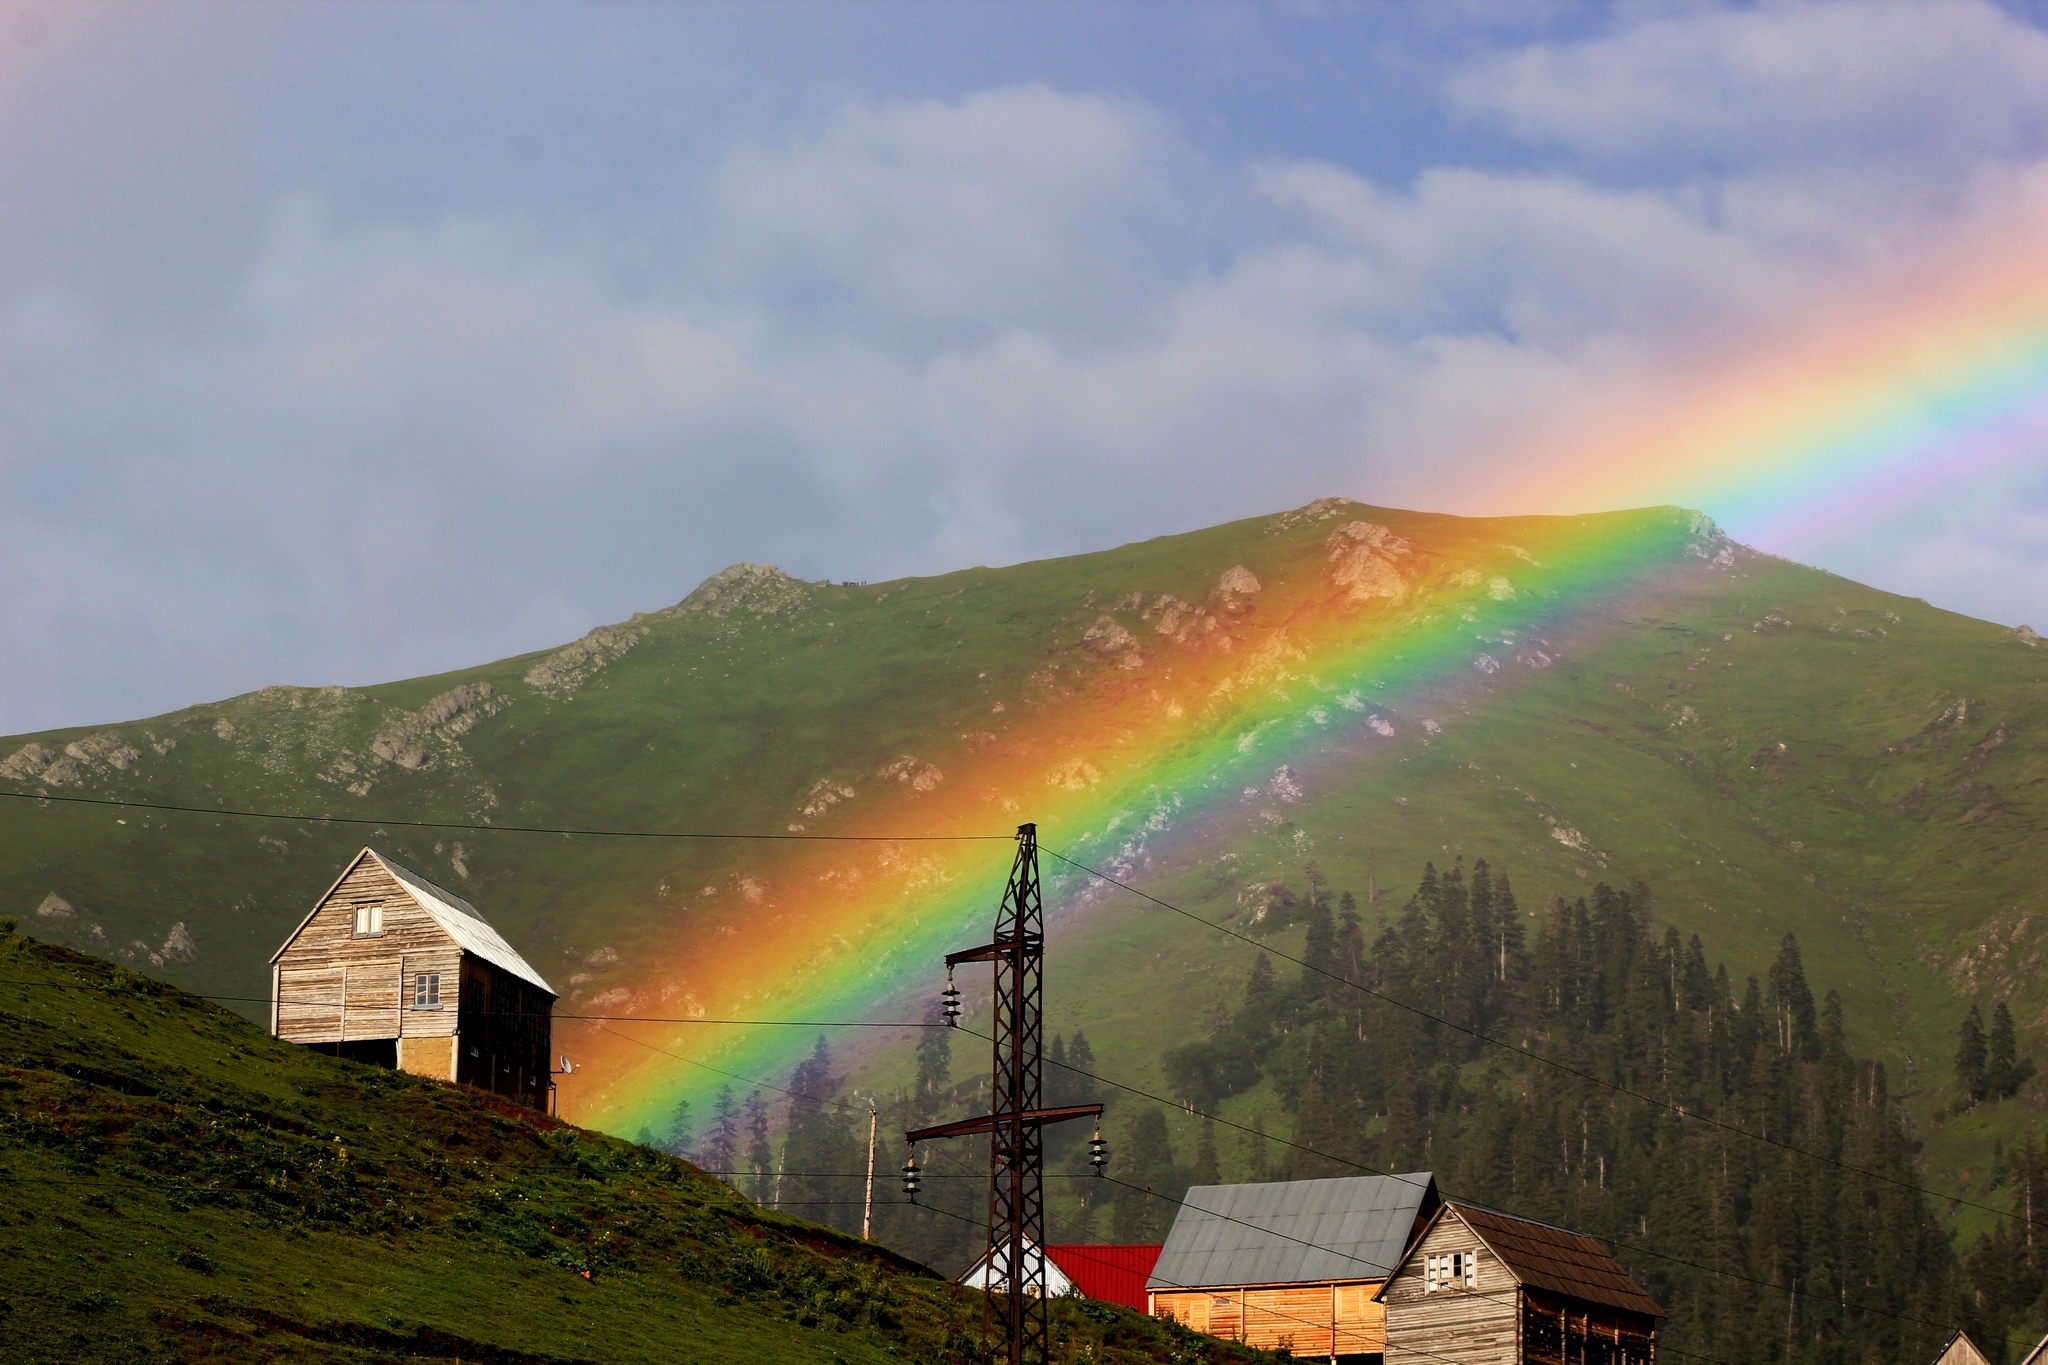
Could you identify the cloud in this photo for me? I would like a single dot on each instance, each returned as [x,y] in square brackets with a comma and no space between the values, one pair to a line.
[1020,208]
[1879,80]
[903,335]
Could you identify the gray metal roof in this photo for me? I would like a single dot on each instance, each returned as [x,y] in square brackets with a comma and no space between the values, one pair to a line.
[1293,1231]
[462,922]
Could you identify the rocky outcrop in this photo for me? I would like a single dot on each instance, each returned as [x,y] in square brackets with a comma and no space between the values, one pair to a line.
[1362,557]
[412,740]
[81,757]
[758,589]
[913,772]
[568,668]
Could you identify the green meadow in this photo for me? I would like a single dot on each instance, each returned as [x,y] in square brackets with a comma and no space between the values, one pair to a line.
[1767,748]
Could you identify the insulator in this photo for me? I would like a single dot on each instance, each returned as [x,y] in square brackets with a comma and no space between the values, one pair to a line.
[1098,1152]
[911,1177]
[951,995]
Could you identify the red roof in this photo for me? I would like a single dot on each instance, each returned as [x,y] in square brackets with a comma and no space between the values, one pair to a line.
[1114,1273]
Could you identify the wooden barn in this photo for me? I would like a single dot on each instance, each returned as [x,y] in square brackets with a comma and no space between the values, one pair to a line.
[1292,1263]
[1483,1288]
[393,970]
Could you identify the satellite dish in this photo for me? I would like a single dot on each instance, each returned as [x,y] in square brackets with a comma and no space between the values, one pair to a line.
[566,1068]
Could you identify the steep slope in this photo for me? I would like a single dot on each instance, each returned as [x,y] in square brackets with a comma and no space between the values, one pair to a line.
[1770,748]
[179,1185]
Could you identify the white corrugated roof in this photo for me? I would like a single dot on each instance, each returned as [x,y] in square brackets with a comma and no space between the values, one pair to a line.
[462,922]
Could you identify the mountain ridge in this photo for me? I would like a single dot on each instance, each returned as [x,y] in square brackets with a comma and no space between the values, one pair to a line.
[1770,747]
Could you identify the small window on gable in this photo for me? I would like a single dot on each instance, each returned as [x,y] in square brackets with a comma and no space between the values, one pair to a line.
[426,991]
[369,920]
[1458,1269]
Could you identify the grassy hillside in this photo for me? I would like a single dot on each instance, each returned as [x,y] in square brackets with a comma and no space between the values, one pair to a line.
[1768,747]
[179,1186]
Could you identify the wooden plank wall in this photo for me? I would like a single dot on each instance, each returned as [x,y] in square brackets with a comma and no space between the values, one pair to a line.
[1457,1326]
[1306,1318]
[335,987]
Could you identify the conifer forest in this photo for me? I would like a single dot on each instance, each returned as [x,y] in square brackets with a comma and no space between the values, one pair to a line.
[1755,1175]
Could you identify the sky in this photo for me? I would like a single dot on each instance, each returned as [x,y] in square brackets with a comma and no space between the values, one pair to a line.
[345,342]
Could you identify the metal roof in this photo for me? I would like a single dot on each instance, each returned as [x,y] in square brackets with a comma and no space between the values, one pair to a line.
[1116,1273]
[462,922]
[1293,1231]
[1560,1261]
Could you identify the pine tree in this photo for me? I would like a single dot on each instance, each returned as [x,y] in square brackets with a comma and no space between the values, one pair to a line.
[1145,1201]
[1319,950]
[820,1152]
[1257,1165]
[760,1156]
[1258,987]
[720,1152]
[1206,1170]
[1970,1056]
[1791,1001]
[2005,1071]
[1081,1061]
[682,1136]
[934,1066]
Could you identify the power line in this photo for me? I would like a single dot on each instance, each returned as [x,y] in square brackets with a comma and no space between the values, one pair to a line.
[1556,1065]
[515,829]
[514,1014]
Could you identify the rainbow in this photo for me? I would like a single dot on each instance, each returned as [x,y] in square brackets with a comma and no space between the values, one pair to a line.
[1947,373]
[1872,400]
[1343,643]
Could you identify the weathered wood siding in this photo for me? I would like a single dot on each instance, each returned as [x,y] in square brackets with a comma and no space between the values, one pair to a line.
[1454,1325]
[1310,1319]
[335,987]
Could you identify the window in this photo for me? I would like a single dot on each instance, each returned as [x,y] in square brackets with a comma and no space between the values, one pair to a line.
[426,991]
[369,921]
[1459,1270]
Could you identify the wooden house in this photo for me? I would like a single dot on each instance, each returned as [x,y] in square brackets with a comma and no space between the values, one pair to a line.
[1963,1351]
[393,970]
[2037,1356]
[1484,1288]
[1291,1263]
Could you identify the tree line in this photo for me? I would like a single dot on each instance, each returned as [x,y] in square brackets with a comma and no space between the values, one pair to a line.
[1811,1245]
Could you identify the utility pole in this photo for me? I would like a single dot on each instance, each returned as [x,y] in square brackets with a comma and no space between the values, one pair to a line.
[1016,1197]
[867,1208]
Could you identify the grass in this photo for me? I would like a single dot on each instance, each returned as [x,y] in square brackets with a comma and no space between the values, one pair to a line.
[178,1186]
[1770,748]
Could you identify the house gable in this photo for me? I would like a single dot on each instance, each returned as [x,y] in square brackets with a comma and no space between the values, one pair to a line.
[1452,1298]
[333,984]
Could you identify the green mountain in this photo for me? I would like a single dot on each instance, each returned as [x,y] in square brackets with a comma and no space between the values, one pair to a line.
[180,1186]
[1768,748]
